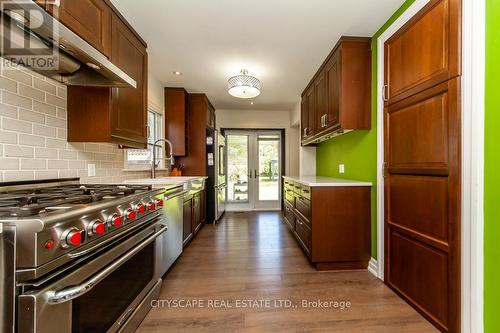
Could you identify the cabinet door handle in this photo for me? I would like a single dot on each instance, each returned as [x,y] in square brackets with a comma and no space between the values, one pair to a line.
[385,93]
[326,119]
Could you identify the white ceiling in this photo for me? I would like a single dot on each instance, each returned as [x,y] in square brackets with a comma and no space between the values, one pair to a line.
[282,42]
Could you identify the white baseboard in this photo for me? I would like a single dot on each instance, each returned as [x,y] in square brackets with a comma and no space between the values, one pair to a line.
[373,267]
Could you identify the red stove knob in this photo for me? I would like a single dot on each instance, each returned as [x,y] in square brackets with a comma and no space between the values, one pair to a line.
[74,237]
[159,202]
[141,208]
[130,214]
[98,227]
[115,220]
[151,206]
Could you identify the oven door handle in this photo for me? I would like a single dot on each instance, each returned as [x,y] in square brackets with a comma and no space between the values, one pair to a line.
[67,294]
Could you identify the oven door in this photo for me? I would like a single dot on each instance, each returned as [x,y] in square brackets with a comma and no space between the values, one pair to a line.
[108,293]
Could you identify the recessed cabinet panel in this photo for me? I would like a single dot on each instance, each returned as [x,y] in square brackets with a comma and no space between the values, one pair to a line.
[419,129]
[90,19]
[427,272]
[420,203]
[129,117]
[425,52]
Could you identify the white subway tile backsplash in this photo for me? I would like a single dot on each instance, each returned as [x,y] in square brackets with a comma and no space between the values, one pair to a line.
[18,151]
[57,164]
[8,84]
[62,92]
[17,125]
[31,116]
[44,85]
[33,164]
[92,147]
[77,165]
[44,108]
[33,135]
[16,100]
[8,137]
[32,93]
[17,75]
[9,163]
[45,153]
[68,173]
[56,143]
[56,122]
[46,174]
[61,113]
[68,155]
[56,101]
[8,111]
[18,175]
[45,130]
[32,140]
[63,134]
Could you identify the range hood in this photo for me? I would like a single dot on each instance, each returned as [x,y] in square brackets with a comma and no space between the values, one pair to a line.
[77,62]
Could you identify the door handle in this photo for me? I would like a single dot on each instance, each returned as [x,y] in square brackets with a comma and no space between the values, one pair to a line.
[255,173]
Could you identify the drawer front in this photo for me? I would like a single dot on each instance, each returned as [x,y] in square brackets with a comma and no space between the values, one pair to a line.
[303,233]
[296,188]
[303,206]
[289,216]
[287,184]
[305,191]
[289,197]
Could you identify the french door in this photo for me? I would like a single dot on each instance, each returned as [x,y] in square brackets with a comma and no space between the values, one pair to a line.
[254,163]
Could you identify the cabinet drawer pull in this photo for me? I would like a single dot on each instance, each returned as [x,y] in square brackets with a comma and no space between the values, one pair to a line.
[305,191]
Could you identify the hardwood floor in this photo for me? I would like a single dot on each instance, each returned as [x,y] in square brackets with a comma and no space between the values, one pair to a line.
[254,257]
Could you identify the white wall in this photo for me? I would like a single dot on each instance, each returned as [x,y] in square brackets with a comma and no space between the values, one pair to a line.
[306,155]
[263,119]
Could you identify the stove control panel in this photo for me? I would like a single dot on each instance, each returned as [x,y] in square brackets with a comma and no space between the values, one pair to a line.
[72,237]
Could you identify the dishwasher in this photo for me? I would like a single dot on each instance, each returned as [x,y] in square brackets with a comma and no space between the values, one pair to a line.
[172,239]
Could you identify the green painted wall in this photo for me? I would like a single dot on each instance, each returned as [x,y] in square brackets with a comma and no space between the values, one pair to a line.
[492,170]
[358,150]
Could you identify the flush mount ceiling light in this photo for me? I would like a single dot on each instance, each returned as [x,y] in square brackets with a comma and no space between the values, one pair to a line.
[244,85]
[177,73]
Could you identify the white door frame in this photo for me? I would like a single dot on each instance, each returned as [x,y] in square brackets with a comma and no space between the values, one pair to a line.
[253,202]
[473,64]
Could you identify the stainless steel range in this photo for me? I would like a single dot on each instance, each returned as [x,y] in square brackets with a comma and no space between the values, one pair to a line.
[88,257]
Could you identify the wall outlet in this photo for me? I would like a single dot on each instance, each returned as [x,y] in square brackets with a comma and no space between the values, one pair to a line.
[341,168]
[91,170]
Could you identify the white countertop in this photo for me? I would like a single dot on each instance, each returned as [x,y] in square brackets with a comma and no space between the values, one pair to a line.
[315,181]
[165,182]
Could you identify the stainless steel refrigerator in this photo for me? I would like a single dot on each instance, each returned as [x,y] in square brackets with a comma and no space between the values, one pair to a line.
[216,172]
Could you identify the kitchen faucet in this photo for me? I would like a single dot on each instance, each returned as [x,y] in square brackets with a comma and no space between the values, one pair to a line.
[170,158]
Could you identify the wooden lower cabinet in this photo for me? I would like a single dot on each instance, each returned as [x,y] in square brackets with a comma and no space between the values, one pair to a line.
[331,224]
[194,215]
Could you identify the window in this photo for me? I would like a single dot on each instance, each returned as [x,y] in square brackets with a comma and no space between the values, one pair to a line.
[139,158]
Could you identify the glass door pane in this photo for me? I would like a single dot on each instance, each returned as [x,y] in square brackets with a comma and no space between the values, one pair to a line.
[237,168]
[269,168]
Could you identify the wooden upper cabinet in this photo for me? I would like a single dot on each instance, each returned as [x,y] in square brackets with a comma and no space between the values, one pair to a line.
[425,52]
[89,19]
[176,117]
[337,99]
[116,115]
[311,112]
[129,116]
[304,118]
[332,90]
[320,102]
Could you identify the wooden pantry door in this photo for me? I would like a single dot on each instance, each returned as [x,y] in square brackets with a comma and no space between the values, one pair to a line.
[422,163]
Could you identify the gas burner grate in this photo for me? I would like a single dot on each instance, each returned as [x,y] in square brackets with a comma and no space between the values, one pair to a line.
[24,203]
